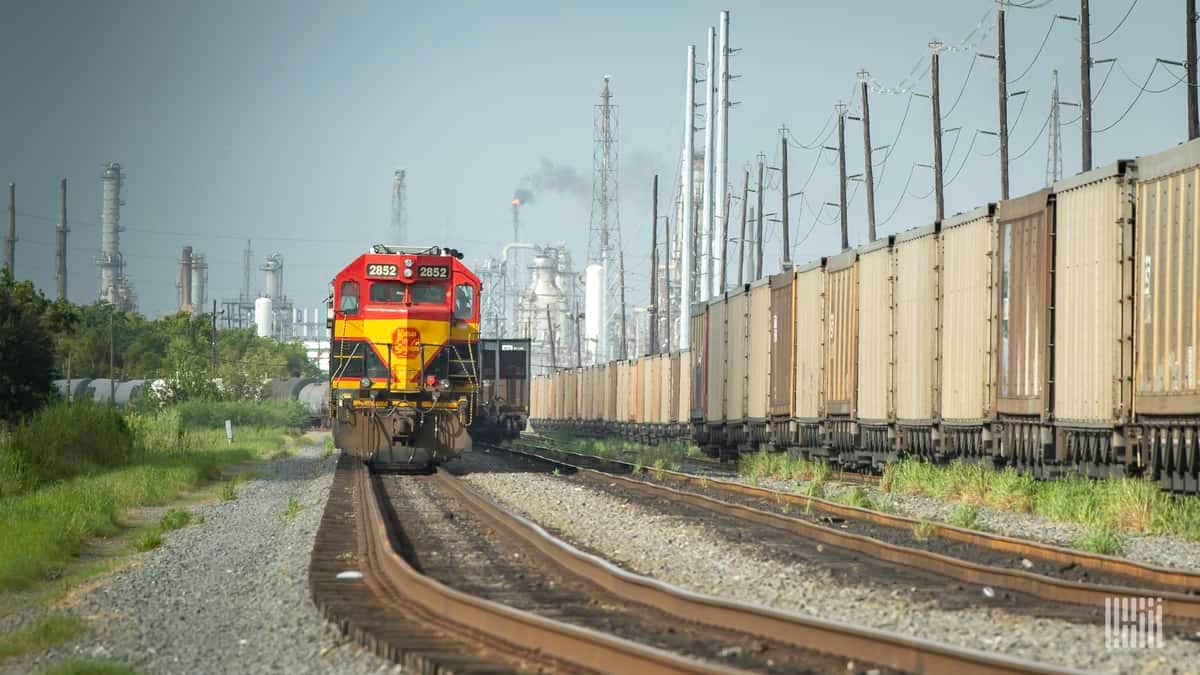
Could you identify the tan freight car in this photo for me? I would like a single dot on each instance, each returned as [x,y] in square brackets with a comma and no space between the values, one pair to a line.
[714,374]
[918,325]
[1094,271]
[1024,263]
[809,370]
[758,361]
[968,318]
[876,290]
[699,368]
[783,356]
[841,353]
[737,327]
[1166,397]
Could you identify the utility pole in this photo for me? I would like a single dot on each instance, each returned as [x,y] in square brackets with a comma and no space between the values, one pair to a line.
[667,283]
[687,226]
[868,170]
[1002,76]
[1085,81]
[724,248]
[213,362]
[60,276]
[706,208]
[721,180]
[758,236]
[652,310]
[1193,114]
[10,244]
[935,46]
[783,209]
[578,339]
[553,349]
[742,237]
[840,108]
[621,275]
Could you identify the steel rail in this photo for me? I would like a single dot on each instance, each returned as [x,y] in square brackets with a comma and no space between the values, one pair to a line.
[1177,604]
[859,643]
[391,576]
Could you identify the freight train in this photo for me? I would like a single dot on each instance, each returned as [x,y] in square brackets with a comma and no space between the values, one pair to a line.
[410,378]
[1054,332]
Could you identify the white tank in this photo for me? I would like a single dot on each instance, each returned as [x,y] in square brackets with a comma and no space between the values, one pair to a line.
[262,316]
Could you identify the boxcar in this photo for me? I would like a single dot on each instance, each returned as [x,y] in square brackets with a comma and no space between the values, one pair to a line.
[876,275]
[841,354]
[918,322]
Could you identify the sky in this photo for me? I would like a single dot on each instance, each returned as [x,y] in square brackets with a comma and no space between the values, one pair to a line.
[282,122]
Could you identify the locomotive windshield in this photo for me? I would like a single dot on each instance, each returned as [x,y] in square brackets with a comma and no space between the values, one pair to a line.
[387,291]
[428,294]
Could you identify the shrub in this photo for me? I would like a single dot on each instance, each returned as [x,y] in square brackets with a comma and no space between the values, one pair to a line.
[60,441]
[212,414]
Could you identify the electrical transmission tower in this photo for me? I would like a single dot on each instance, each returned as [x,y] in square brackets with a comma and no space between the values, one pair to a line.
[604,234]
[1054,165]
[398,234]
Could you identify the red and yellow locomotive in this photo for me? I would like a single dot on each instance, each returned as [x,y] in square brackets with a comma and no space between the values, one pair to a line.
[403,356]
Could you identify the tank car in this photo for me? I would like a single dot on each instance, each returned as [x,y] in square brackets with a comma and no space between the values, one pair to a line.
[404,327]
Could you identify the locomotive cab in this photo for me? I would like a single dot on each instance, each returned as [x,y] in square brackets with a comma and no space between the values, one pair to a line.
[403,354]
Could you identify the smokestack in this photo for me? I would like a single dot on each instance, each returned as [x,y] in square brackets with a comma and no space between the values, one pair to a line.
[199,282]
[185,281]
[516,204]
[110,232]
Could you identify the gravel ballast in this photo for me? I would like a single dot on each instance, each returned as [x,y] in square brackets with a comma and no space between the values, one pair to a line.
[695,557]
[229,594]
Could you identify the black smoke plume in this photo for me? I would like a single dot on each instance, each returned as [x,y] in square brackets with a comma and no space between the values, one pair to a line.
[557,178]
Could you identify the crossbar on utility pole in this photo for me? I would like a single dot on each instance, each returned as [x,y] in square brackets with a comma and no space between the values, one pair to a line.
[1085,81]
[935,47]
[652,310]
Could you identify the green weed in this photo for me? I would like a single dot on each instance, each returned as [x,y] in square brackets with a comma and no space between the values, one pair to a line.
[1101,539]
[293,507]
[924,530]
[965,516]
[46,632]
[229,491]
[148,540]
[174,519]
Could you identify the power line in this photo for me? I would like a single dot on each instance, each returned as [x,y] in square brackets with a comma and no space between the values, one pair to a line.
[1035,140]
[892,146]
[963,89]
[1122,23]
[903,193]
[1038,55]
[966,156]
[1142,90]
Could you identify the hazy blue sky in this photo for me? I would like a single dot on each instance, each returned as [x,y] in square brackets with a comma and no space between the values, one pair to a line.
[283,121]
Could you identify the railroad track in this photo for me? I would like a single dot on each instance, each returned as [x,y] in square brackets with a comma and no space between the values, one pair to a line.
[427,572]
[1033,569]
[714,466]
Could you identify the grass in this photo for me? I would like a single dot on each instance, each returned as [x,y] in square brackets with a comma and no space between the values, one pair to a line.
[46,632]
[90,667]
[1101,539]
[293,507]
[174,519]
[924,530]
[43,528]
[965,516]
[669,455]
[243,414]
[148,540]
[1114,506]
[60,441]
[229,491]
[784,467]
[329,448]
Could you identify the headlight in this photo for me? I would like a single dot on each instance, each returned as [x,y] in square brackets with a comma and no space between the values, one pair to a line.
[408,273]
[445,384]
[365,383]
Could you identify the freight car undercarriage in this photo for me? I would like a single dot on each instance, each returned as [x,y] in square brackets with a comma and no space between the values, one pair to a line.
[1166,450]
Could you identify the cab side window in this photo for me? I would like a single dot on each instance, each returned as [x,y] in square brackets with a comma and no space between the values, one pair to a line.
[464,302]
[349,298]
